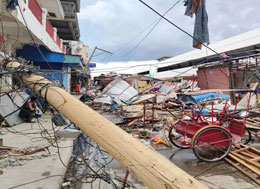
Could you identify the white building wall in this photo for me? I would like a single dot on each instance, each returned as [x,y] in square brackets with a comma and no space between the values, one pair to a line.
[177,73]
[36,28]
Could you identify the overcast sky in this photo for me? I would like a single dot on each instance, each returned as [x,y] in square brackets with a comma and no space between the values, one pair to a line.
[111,24]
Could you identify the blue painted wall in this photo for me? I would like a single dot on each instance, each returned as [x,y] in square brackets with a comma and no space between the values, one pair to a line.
[65,77]
[50,66]
[55,77]
[55,62]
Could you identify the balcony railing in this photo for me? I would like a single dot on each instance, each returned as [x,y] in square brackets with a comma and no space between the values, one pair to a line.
[49,28]
[63,48]
[58,41]
[36,9]
[41,15]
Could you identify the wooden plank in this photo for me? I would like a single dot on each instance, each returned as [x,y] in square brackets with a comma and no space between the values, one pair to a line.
[218,91]
[153,169]
[250,155]
[141,84]
[240,149]
[256,159]
[133,108]
[246,150]
[255,151]
[247,160]
[30,151]
[252,123]
[243,171]
[144,98]
[132,122]
[5,148]
[251,149]
[253,169]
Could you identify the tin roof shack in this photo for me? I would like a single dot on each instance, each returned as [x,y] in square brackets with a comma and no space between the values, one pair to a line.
[141,83]
[246,71]
[235,74]
[216,76]
[103,80]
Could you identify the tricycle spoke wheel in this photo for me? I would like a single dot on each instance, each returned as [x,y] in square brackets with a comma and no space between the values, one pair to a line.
[212,143]
[246,137]
[179,140]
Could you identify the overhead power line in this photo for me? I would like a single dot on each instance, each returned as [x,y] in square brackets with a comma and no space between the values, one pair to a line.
[100,70]
[151,30]
[162,16]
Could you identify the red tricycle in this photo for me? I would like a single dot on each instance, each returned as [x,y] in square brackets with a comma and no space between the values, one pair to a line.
[208,127]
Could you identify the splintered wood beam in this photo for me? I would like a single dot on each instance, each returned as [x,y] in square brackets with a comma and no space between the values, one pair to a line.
[150,167]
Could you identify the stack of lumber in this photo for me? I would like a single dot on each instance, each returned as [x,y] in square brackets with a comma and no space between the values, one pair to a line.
[254,121]
[247,160]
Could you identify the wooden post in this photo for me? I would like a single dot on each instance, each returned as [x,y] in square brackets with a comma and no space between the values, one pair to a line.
[153,169]
[144,115]
[153,113]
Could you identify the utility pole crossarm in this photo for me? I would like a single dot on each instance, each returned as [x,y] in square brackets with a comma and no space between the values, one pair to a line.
[91,56]
[105,51]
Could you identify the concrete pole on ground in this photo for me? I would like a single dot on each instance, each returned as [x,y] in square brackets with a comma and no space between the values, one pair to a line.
[153,169]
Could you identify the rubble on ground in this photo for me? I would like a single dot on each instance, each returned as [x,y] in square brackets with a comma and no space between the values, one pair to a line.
[19,157]
[143,106]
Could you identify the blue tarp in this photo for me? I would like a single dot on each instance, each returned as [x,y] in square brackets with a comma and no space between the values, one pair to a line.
[202,97]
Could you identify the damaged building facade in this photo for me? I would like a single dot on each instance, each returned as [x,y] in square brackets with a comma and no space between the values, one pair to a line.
[197,127]
[46,33]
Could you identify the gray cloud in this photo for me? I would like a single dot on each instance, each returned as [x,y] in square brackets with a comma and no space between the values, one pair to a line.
[109,24]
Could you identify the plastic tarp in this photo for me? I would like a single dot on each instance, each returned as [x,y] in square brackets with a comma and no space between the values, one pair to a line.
[207,97]
[121,89]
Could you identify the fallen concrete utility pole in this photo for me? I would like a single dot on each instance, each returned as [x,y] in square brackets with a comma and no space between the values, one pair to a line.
[147,165]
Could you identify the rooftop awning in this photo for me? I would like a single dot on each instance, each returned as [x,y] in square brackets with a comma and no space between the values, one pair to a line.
[41,55]
[73,60]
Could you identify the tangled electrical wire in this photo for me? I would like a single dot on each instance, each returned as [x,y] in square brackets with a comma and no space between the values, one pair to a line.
[90,163]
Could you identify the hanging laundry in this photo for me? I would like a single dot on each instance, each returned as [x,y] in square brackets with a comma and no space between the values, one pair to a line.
[201,31]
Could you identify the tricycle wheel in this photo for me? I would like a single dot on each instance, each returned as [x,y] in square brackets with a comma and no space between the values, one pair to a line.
[246,137]
[178,140]
[211,143]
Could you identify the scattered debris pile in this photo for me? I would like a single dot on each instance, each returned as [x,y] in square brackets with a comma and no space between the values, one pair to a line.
[144,106]
[140,105]
[12,157]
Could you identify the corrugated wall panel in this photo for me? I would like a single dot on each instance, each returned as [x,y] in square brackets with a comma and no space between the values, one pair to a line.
[214,78]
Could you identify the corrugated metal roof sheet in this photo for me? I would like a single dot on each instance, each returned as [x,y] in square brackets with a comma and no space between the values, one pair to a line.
[244,42]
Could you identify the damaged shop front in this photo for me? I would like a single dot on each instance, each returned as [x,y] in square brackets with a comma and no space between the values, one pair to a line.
[56,66]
